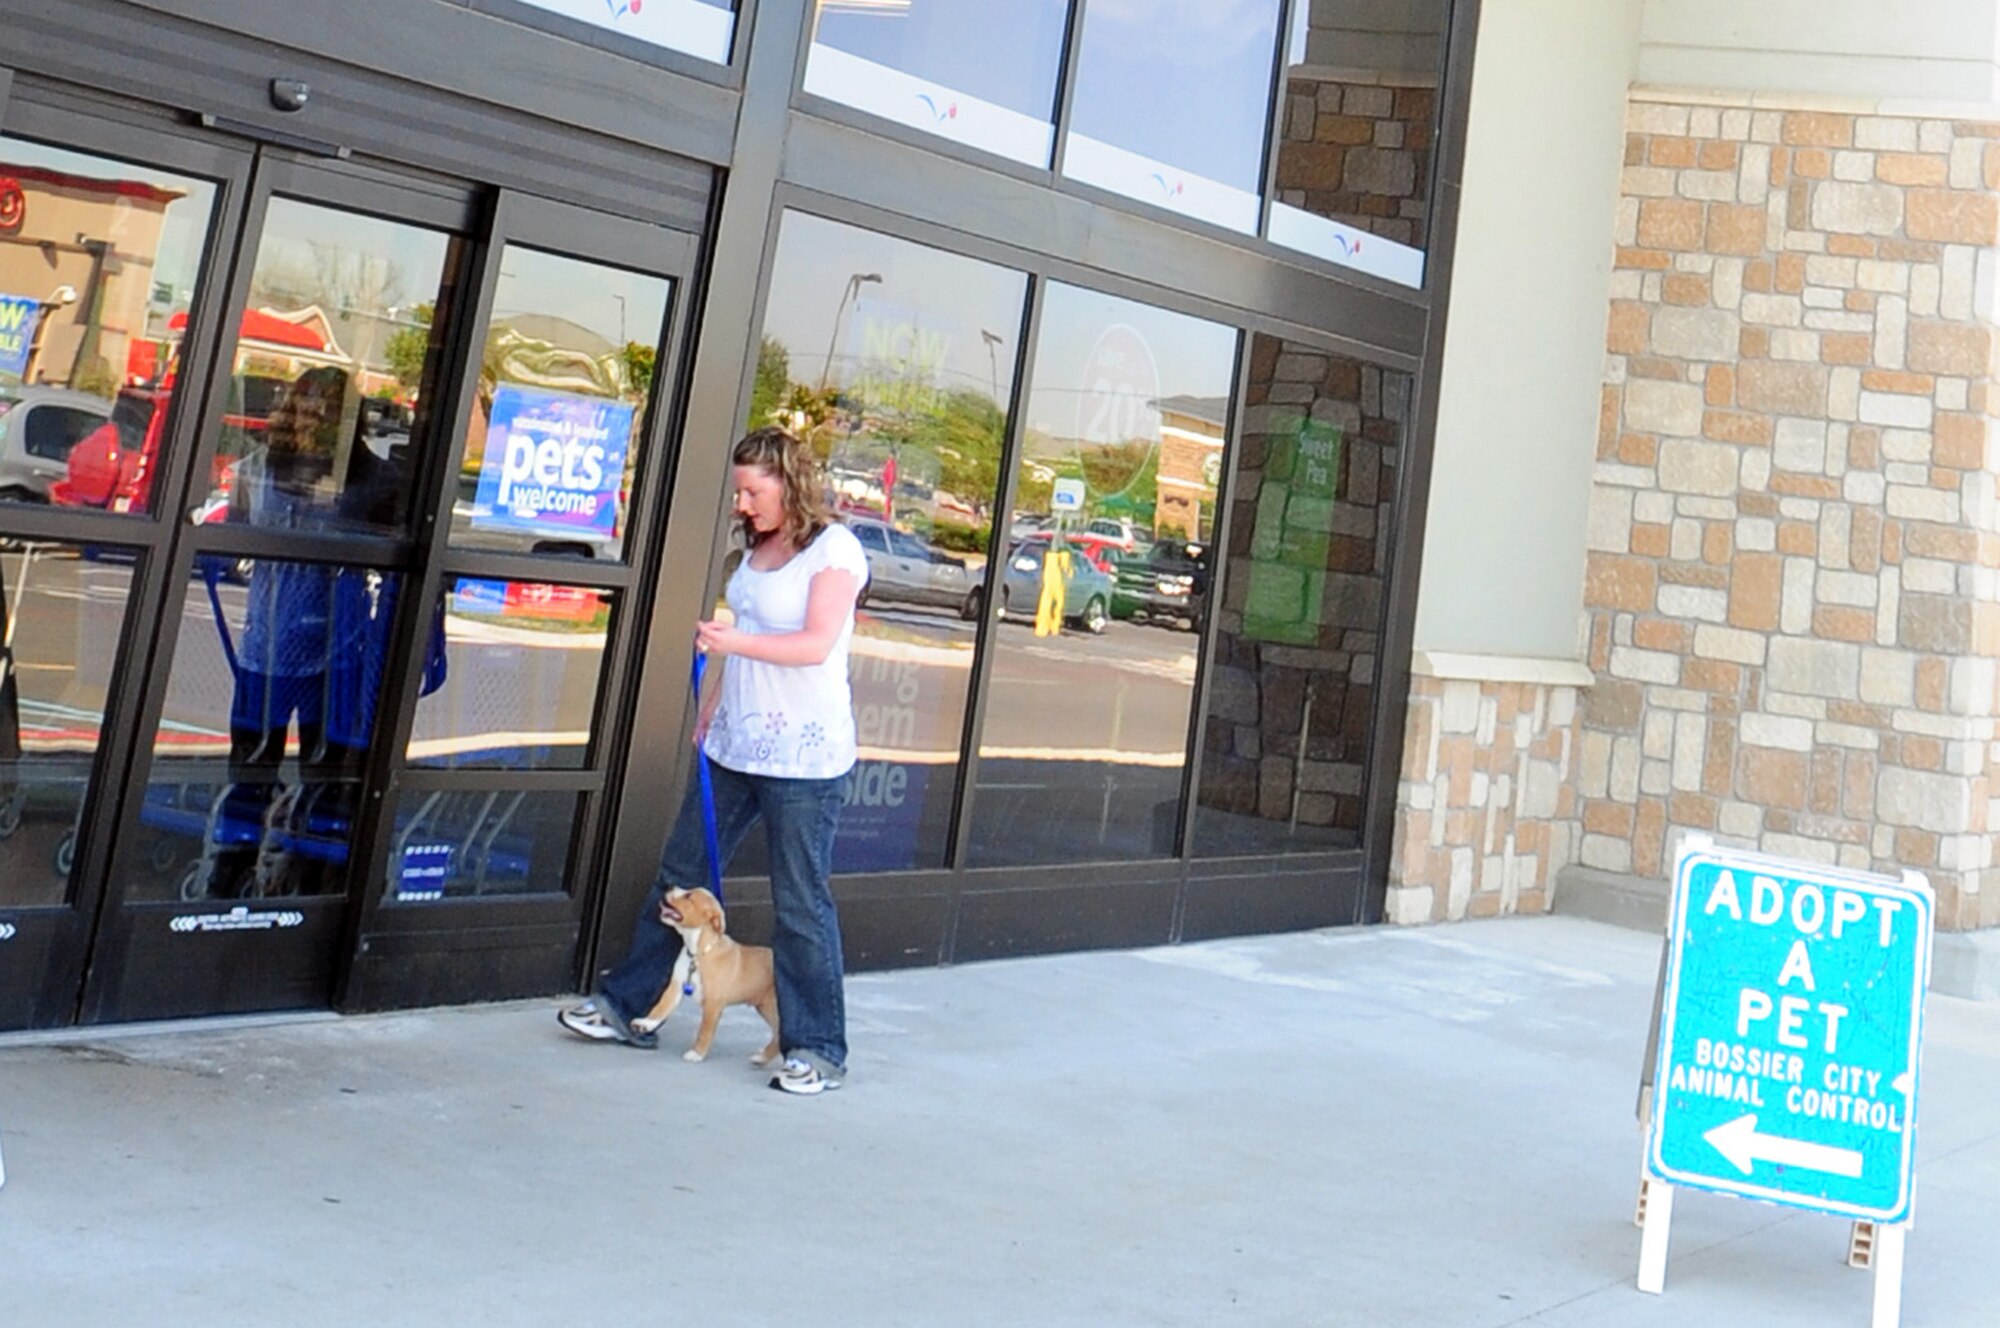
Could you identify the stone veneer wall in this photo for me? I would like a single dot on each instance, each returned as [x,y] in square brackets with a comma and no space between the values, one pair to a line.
[1486,809]
[1794,532]
[1357,149]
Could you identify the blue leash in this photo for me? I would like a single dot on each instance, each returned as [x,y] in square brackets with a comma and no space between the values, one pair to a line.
[707,788]
[707,805]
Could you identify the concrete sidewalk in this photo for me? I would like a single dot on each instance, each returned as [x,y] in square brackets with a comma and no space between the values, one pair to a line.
[1389,1127]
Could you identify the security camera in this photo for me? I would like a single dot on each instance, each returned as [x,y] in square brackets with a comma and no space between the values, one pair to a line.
[290,94]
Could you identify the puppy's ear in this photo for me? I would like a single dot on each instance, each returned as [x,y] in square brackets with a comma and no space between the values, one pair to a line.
[717,922]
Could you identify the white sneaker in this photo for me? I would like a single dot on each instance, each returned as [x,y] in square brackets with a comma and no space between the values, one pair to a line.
[803,1079]
[586,1021]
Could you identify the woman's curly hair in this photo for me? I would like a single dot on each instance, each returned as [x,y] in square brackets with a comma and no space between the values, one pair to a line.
[790,458]
[305,422]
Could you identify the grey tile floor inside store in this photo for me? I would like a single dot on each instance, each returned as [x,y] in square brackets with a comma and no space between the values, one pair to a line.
[1384,1127]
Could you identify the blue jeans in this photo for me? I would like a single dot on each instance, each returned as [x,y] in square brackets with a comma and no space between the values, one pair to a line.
[799,818]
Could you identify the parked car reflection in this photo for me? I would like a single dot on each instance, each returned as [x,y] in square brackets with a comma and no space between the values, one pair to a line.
[1087,590]
[1121,532]
[1166,584]
[905,569]
[39,428]
[112,468]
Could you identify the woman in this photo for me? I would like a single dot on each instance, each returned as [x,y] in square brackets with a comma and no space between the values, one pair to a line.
[285,649]
[779,733]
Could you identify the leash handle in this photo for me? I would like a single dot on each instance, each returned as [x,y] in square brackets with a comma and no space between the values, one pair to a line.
[707,786]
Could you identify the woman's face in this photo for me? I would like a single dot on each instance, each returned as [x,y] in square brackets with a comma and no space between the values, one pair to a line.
[760,498]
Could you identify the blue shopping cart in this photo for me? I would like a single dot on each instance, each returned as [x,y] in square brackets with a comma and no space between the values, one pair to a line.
[260,833]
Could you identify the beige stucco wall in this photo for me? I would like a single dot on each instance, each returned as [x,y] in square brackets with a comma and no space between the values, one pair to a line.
[1523,352]
[1931,50]
[1524,349]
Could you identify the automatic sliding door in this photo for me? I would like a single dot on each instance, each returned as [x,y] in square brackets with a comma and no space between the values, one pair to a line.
[245,828]
[512,719]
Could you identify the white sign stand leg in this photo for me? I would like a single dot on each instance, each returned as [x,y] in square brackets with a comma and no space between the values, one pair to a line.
[1653,1237]
[1889,1276]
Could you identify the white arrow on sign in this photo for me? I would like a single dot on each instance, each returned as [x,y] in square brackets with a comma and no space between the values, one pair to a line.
[1742,1145]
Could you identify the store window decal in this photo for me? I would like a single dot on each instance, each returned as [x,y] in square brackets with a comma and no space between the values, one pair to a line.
[696,27]
[1172,104]
[978,72]
[558,469]
[551,449]
[1357,113]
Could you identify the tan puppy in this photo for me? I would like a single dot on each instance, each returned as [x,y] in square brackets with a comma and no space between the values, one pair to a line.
[724,973]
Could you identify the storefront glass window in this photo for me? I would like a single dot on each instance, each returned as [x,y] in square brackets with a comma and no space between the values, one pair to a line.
[99,260]
[553,443]
[62,611]
[328,372]
[1172,104]
[511,673]
[1359,109]
[979,72]
[271,704]
[1105,577]
[897,360]
[1298,625]
[701,28]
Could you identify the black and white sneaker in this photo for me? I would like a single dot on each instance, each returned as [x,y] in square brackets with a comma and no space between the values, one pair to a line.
[590,1021]
[585,1021]
[803,1079]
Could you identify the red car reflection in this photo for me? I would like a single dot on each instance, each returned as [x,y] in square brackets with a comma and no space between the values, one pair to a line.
[112,467]
[108,467]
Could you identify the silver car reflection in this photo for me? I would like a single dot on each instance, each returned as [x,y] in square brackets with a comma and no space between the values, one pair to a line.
[905,569]
[38,427]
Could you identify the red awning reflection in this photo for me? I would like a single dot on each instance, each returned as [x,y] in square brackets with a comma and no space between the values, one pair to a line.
[267,328]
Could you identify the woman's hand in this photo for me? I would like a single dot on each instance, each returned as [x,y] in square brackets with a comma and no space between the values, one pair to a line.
[829,609]
[709,704]
[716,637]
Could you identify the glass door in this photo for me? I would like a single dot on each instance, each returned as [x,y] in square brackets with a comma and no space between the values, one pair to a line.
[300,528]
[515,675]
[116,236]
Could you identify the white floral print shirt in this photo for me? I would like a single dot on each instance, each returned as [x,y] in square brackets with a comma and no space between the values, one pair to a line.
[794,722]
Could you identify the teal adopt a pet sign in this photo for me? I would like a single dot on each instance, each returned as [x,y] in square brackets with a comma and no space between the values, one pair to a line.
[1791,1027]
